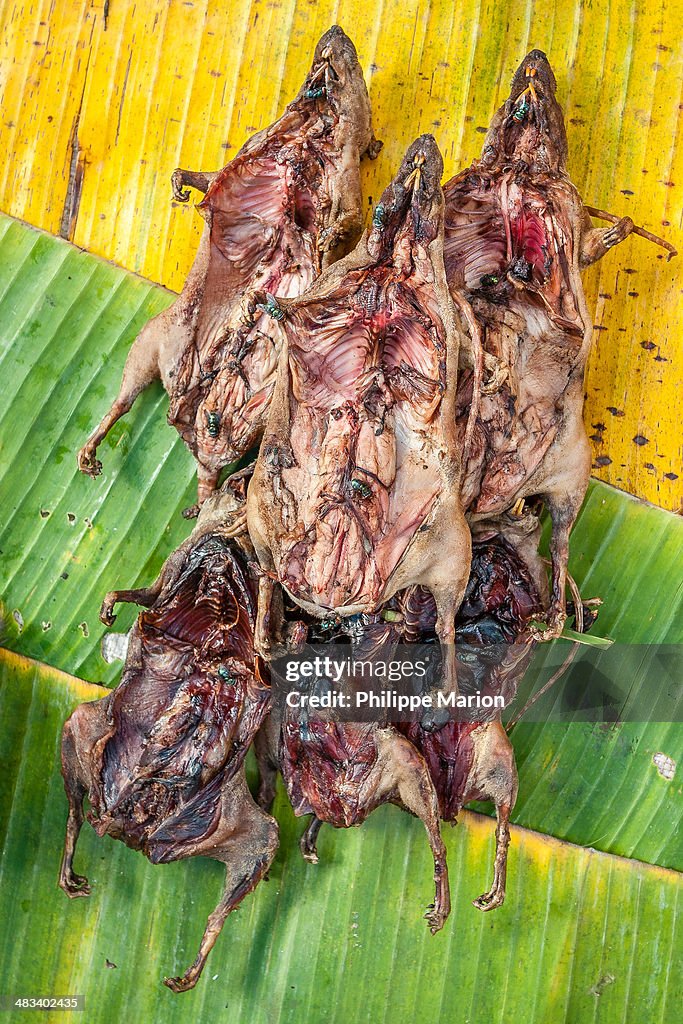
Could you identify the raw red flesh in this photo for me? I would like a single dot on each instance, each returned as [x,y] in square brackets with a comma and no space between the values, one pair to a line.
[266,212]
[287,206]
[229,372]
[500,601]
[514,232]
[339,772]
[360,413]
[326,766]
[161,759]
[346,361]
[449,753]
[178,730]
[515,228]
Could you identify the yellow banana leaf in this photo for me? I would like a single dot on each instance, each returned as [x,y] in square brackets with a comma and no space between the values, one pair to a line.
[101,101]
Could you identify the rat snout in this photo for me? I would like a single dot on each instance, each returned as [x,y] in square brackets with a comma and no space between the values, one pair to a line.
[335,39]
[531,112]
[534,77]
[336,55]
[533,89]
[537,59]
[415,176]
[424,164]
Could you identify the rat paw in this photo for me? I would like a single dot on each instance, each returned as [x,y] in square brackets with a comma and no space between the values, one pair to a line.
[180,984]
[107,611]
[180,194]
[435,917]
[75,886]
[618,233]
[87,463]
[489,900]
[551,629]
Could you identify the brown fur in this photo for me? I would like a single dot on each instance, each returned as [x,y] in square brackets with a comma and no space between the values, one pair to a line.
[290,494]
[157,777]
[517,238]
[285,207]
[380,766]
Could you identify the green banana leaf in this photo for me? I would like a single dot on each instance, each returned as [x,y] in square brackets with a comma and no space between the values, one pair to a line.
[594,783]
[67,320]
[583,936]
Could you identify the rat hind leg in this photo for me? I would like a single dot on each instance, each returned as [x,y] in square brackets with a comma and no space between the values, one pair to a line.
[411,783]
[142,367]
[563,488]
[563,509]
[448,600]
[73,885]
[84,726]
[309,840]
[495,779]
[496,894]
[246,841]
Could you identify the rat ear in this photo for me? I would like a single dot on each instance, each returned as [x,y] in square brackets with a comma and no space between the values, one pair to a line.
[239,488]
[238,482]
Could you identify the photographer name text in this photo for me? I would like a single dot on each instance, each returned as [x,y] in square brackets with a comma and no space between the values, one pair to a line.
[390,699]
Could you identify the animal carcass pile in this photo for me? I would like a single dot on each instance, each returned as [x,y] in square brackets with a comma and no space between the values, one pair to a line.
[416,398]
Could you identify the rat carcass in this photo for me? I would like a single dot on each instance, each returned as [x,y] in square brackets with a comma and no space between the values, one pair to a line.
[341,771]
[517,237]
[470,757]
[286,206]
[161,758]
[356,490]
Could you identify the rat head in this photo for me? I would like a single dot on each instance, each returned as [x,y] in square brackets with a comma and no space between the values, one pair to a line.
[335,71]
[413,202]
[529,127]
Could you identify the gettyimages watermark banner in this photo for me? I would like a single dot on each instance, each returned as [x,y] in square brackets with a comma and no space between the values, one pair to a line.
[622,683]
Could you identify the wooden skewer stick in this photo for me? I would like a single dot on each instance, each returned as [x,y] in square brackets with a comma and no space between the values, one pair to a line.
[544,689]
[603,215]
[578,612]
